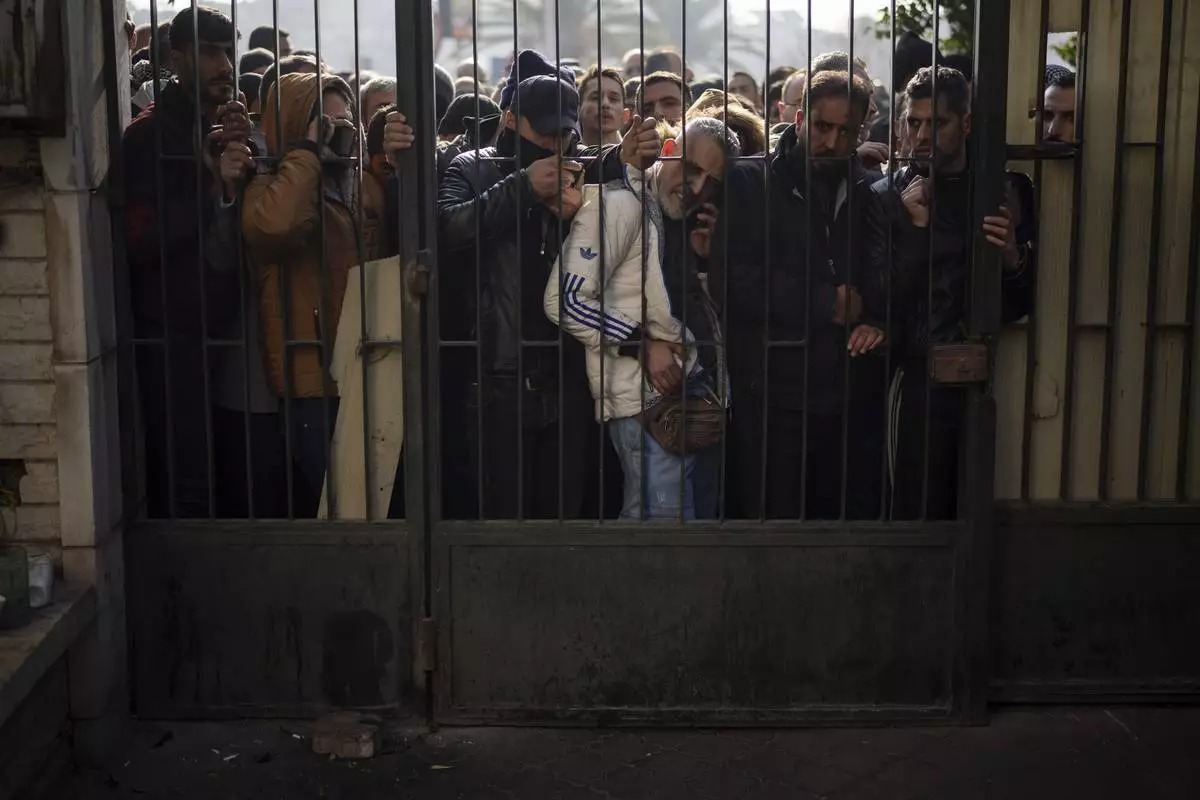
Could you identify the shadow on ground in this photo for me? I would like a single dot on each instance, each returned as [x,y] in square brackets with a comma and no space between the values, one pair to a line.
[1096,753]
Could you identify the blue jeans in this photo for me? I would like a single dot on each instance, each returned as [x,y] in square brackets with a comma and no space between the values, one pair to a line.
[650,468]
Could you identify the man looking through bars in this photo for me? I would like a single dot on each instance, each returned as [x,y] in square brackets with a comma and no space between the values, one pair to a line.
[501,205]
[596,292]
[1058,105]
[176,296]
[602,111]
[924,212]
[664,96]
[790,271]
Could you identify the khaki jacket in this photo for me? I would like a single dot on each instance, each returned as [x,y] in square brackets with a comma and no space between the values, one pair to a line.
[281,216]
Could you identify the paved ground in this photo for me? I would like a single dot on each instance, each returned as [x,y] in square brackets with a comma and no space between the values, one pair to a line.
[1094,753]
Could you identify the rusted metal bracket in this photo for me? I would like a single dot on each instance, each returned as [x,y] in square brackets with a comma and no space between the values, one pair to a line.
[427,644]
[967,362]
[418,275]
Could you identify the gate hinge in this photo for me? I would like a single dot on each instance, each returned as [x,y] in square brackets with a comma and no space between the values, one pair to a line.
[427,644]
[967,362]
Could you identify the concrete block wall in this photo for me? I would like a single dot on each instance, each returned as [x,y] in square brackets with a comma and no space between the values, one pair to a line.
[58,359]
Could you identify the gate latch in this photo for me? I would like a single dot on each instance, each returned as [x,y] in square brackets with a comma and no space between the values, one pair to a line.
[958,363]
[418,276]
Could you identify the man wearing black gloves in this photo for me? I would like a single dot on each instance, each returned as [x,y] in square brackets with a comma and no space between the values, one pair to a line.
[507,208]
[919,227]
[786,268]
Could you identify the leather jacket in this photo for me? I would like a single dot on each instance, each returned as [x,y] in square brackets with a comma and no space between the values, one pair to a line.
[487,211]
[782,249]
[929,267]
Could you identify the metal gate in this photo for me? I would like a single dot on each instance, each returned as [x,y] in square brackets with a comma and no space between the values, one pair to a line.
[559,618]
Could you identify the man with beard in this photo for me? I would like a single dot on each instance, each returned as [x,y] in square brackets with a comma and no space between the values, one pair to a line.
[785,268]
[1058,109]
[631,318]
[502,207]
[919,228]
[179,296]
[602,113]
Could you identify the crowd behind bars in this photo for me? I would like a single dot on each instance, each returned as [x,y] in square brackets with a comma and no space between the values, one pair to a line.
[722,297]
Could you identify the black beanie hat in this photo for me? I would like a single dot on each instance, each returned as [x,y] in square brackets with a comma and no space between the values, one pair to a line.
[455,121]
[528,64]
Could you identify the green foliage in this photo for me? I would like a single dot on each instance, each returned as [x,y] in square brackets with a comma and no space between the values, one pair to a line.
[1068,51]
[916,16]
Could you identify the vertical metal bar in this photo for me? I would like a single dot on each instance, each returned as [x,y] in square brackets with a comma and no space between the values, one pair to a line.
[1064,483]
[1031,325]
[155,55]
[520,295]
[1114,251]
[933,199]
[642,451]
[600,451]
[122,303]
[847,326]
[1151,326]
[766,330]
[285,294]
[481,440]
[326,312]
[1183,459]
[886,497]
[364,335]
[243,304]
[198,142]
[808,157]
[558,331]
[723,329]
[686,246]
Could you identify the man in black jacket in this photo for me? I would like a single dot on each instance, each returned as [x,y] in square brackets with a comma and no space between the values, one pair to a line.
[506,208]
[178,296]
[920,229]
[786,264]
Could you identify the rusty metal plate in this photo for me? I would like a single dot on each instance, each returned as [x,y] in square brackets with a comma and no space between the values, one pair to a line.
[958,363]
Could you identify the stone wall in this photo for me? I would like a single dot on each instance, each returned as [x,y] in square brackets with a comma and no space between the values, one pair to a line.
[58,355]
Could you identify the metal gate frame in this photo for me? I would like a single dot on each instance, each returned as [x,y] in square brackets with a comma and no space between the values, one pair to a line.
[447,675]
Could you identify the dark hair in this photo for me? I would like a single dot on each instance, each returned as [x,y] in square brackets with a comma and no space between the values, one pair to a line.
[633,88]
[748,77]
[264,36]
[664,77]
[443,90]
[839,61]
[911,54]
[697,88]
[284,66]
[961,62]
[596,73]
[951,88]
[248,84]
[212,25]
[253,59]
[780,74]
[775,92]
[375,129]
[825,85]
[1059,77]
[661,59]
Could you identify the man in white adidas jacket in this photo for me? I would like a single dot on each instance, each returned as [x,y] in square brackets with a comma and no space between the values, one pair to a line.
[607,290]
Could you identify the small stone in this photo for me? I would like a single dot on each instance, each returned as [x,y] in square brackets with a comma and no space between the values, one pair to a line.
[346,735]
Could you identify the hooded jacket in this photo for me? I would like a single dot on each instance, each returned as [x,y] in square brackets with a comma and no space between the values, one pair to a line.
[281,219]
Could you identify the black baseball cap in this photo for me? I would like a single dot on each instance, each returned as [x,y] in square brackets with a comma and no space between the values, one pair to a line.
[549,103]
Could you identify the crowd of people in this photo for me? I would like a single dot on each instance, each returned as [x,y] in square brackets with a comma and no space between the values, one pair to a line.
[723,293]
